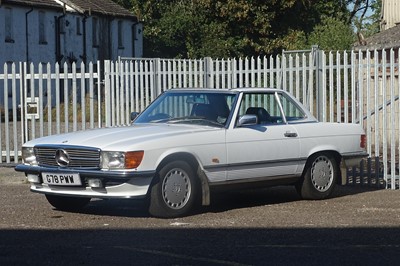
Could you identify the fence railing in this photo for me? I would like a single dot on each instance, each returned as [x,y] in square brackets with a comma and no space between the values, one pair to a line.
[355,86]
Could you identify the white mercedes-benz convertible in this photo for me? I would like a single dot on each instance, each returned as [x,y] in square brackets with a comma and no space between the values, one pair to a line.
[191,141]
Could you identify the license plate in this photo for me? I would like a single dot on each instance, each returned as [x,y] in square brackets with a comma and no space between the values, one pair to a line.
[61,179]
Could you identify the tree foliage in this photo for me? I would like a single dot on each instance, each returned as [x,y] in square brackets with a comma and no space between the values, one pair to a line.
[332,34]
[226,28]
[368,23]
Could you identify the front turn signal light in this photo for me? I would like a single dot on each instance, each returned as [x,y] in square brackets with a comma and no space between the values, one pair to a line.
[133,159]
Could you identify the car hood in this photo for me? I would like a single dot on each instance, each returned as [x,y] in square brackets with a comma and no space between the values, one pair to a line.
[121,137]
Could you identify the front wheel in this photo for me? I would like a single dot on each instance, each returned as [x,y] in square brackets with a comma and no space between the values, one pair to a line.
[174,192]
[320,177]
[67,203]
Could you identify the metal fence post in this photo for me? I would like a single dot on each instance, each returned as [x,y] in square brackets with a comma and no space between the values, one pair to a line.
[107,92]
[207,72]
[157,89]
[319,81]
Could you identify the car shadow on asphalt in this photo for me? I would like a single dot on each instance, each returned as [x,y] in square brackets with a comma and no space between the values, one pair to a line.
[270,196]
[220,201]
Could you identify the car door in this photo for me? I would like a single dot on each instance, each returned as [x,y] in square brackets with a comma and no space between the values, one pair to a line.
[269,149]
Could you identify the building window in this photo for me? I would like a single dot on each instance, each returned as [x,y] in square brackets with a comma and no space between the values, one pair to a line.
[78,26]
[62,25]
[8,25]
[95,32]
[42,28]
[120,35]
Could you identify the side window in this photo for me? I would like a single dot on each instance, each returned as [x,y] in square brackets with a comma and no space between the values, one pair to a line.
[291,110]
[8,25]
[120,35]
[78,26]
[42,28]
[95,32]
[263,105]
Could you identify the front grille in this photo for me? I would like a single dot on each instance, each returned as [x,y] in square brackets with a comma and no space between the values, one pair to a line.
[79,157]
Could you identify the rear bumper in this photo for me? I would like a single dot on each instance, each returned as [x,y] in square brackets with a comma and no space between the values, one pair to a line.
[354,159]
[117,184]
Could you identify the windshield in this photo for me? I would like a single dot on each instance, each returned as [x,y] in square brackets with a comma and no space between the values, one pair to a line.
[194,107]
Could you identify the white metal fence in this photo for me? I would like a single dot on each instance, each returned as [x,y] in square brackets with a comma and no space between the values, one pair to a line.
[356,87]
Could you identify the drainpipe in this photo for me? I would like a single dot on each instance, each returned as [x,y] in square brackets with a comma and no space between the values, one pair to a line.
[84,56]
[59,56]
[58,38]
[26,35]
[133,30]
[24,92]
[110,39]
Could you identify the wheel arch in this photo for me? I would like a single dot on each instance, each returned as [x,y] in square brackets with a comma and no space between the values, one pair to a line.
[195,164]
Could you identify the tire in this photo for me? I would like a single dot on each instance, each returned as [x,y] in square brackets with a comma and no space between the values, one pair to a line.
[67,203]
[174,192]
[320,178]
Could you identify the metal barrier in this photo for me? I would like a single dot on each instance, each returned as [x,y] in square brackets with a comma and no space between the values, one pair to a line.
[355,87]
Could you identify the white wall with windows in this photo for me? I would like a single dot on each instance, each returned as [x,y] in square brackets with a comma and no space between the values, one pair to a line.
[40,35]
[57,35]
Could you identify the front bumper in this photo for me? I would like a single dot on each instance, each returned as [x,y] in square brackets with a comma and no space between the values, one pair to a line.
[117,184]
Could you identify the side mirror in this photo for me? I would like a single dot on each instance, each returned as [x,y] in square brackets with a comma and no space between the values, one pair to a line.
[247,120]
[134,115]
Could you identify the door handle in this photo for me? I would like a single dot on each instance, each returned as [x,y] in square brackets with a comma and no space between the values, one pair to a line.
[290,134]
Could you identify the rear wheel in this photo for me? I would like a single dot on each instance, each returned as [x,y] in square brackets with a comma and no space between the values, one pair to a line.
[320,177]
[67,203]
[175,190]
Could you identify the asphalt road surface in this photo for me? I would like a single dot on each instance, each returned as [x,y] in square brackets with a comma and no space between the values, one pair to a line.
[271,226]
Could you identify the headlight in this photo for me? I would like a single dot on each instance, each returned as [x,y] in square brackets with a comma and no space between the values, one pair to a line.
[121,160]
[28,156]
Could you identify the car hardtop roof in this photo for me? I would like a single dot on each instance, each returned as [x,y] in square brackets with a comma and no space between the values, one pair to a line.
[208,90]
[235,90]
[247,89]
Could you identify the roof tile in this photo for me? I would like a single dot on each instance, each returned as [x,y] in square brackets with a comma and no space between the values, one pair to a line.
[385,39]
[41,3]
[103,7]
